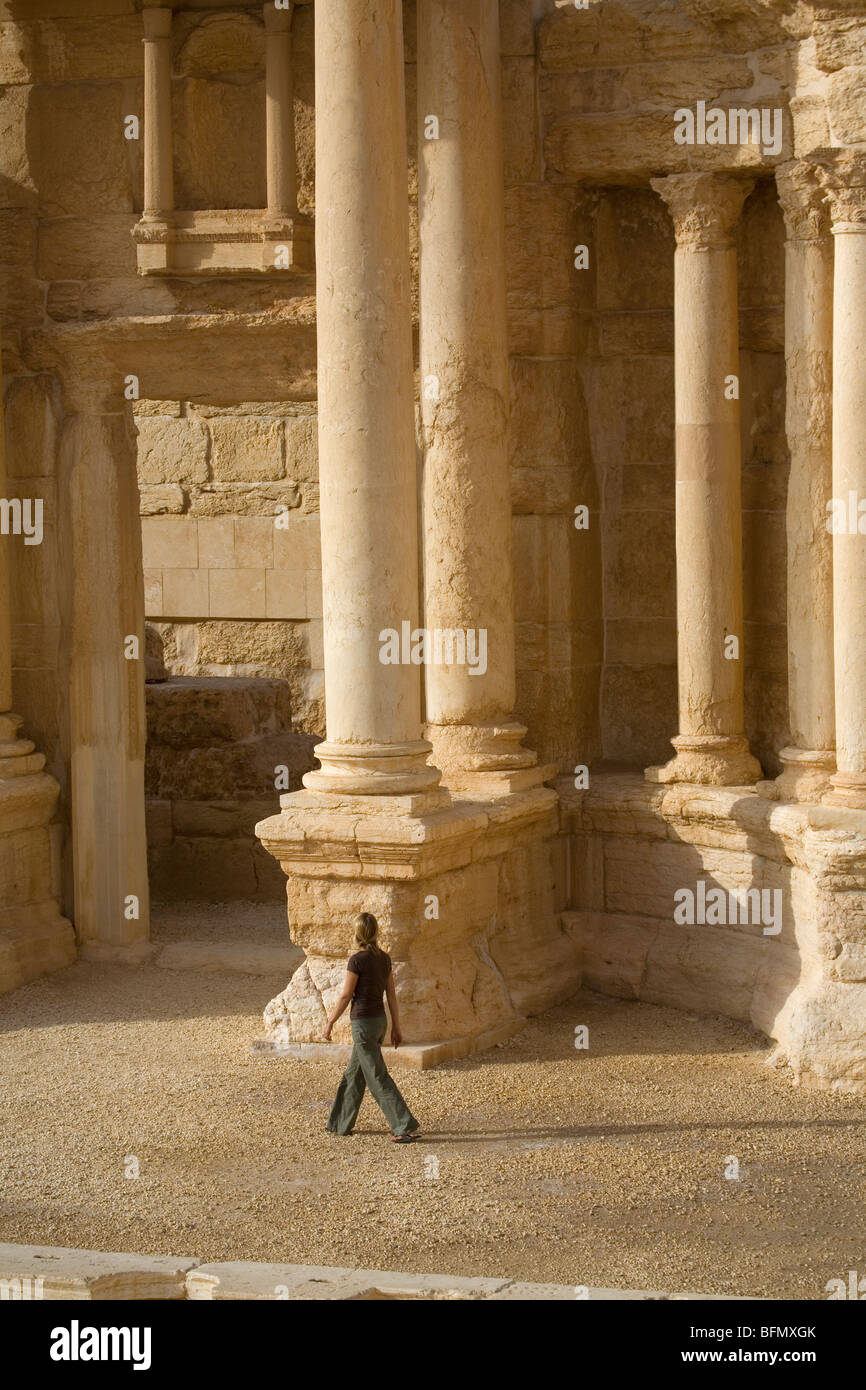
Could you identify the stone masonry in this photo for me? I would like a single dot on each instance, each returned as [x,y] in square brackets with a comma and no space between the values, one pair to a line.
[473,390]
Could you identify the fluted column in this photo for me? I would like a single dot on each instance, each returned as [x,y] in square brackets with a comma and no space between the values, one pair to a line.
[711,745]
[279,112]
[810,758]
[465,392]
[367,463]
[846,185]
[99,501]
[158,139]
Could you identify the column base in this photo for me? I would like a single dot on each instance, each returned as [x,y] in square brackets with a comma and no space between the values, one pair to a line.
[34,937]
[709,759]
[805,775]
[464,895]
[485,760]
[373,769]
[847,789]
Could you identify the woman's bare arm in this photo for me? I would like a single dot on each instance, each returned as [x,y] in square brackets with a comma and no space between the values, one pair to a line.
[342,1004]
[391,993]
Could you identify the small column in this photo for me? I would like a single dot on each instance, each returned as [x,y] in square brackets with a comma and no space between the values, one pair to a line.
[99,499]
[845,180]
[711,746]
[279,112]
[465,398]
[810,759]
[158,142]
[367,452]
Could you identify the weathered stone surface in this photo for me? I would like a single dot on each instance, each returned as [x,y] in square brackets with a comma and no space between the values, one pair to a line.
[171,451]
[59,1273]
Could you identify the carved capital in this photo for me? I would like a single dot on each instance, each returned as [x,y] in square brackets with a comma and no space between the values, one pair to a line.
[843,176]
[803,201]
[705,207]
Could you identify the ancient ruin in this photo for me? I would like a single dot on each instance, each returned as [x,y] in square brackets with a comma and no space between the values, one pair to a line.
[418,417]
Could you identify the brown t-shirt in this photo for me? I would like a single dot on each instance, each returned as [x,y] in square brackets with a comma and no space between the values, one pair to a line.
[372,969]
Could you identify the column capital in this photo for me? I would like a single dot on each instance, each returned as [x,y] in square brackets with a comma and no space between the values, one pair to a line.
[277,21]
[157,22]
[705,207]
[843,175]
[803,201]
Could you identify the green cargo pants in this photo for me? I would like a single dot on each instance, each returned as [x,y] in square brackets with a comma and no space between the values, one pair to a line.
[367,1068]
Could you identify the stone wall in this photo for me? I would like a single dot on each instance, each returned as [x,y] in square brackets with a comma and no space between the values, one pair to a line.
[218,754]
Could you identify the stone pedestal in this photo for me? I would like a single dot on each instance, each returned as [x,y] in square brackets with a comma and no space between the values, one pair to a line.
[464,897]
[810,759]
[711,745]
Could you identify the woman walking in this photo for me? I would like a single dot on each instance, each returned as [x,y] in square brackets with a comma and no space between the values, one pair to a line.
[368,977]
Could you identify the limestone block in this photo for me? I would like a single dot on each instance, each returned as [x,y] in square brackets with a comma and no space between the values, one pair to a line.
[153,597]
[158,814]
[63,122]
[302,455]
[254,543]
[551,461]
[219,143]
[245,499]
[86,246]
[520,120]
[613,950]
[286,595]
[216,543]
[162,499]
[517,30]
[169,542]
[640,565]
[634,247]
[639,713]
[33,941]
[711,970]
[645,334]
[94,1274]
[237,593]
[639,642]
[217,869]
[185,594]
[845,107]
[246,449]
[15,171]
[602,35]
[171,451]
[645,432]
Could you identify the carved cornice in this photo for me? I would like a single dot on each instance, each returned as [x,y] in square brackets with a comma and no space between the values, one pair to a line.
[803,200]
[705,207]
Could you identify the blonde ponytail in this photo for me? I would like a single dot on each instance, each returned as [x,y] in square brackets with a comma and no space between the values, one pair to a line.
[366,928]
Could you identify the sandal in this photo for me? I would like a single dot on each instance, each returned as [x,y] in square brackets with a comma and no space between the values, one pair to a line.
[404,1138]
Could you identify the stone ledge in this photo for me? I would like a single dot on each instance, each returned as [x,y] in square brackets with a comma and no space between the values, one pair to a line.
[30,1273]
[417,1056]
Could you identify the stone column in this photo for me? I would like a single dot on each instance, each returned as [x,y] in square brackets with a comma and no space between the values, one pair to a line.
[99,499]
[465,388]
[367,460]
[158,142]
[846,183]
[33,936]
[711,745]
[811,758]
[279,112]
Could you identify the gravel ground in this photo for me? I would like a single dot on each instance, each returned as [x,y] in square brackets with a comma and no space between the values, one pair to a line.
[602,1167]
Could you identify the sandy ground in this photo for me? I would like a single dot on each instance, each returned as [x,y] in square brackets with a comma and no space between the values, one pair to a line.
[602,1167]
